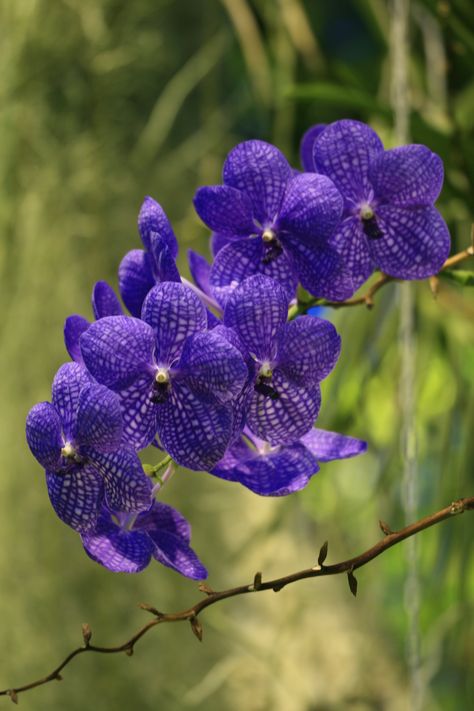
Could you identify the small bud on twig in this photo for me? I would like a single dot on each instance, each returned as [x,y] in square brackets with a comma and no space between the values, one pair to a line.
[129,651]
[257,581]
[352,580]
[86,633]
[196,628]
[149,608]
[205,588]
[13,696]
[434,285]
[386,530]
[323,554]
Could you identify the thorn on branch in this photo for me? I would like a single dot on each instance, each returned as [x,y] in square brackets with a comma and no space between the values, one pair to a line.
[205,588]
[86,633]
[385,528]
[323,554]
[352,580]
[149,608]
[434,285]
[196,628]
[13,696]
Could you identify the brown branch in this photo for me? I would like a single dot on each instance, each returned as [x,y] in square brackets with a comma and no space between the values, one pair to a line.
[212,597]
[367,298]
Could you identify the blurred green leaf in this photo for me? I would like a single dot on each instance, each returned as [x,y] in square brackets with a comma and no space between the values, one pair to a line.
[460,276]
[336,95]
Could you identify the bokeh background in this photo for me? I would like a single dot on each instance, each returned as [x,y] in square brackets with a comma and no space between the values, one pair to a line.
[104,101]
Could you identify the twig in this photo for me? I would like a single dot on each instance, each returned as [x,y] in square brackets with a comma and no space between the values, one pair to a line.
[367,298]
[211,597]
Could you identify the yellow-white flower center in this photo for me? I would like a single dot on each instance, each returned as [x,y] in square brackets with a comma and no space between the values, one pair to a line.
[68,451]
[162,376]
[265,370]
[366,211]
[268,235]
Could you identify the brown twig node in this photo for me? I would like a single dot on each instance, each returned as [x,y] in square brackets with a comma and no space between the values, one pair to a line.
[149,608]
[205,588]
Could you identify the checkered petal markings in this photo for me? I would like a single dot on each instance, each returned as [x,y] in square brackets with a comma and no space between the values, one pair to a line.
[194,429]
[286,419]
[242,259]
[415,243]
[225,210]
[127,488]
[105,301]
[74,327]
[308,349]
[261,172]
[174,312]
[278,473]
[152,219]
[327,446]
[136,278]
[344,152]
[43,434]
[118,550]
[166,518]
[67,385]
[117,350]
[352,244]
[76,497]
[163,263]
[138,412]
[241,402]
[212,366]
[175,553]
[99,419]
[257,310]
[312,206]
[407,176]
[320,267]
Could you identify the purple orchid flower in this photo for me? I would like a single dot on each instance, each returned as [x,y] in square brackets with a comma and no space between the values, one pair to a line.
[104,303]
[282,470]
[173,376]
[140,269]
[126,544]
[307,146]
[277,224]
[389,221]
[290,359]
[77,438]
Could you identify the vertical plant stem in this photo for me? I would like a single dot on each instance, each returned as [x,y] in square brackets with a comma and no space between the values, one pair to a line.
[401,104]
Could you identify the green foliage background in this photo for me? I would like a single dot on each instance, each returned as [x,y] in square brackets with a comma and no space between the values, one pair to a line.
[104,101]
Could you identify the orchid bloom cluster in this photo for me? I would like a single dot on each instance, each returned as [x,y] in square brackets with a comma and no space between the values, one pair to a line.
[214,373]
